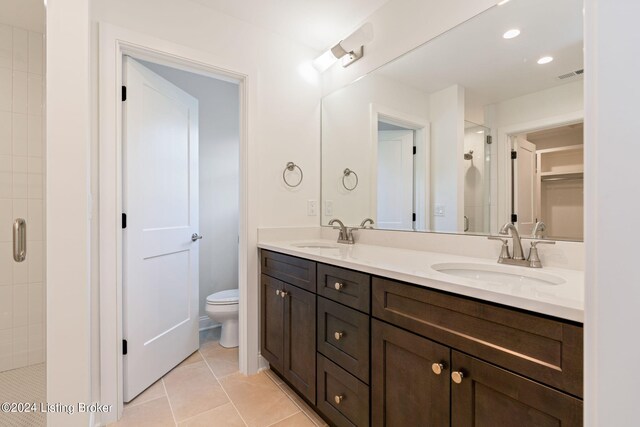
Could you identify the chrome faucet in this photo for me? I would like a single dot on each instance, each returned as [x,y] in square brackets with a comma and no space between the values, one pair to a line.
[346,234]
[533,260]
[517,244]
[539,229]
[364,222]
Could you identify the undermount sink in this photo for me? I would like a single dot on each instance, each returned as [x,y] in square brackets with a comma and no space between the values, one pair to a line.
[504,275]
[316,245]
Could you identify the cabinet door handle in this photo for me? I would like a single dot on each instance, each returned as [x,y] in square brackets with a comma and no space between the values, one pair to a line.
[278,292]
[338,286]
[338,399]
[437,368]
[457,377]
[283,294]
[338,335]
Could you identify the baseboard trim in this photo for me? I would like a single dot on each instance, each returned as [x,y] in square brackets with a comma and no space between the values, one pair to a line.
[206,323]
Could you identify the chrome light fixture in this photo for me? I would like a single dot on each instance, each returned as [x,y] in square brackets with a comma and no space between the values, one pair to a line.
[350,49]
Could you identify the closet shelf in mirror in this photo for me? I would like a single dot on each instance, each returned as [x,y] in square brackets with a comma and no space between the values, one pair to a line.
[564,175]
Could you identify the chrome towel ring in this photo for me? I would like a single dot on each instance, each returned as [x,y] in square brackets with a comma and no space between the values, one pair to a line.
[347,172]
[290,167]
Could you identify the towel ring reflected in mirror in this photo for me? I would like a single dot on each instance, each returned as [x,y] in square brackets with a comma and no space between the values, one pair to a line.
[347,172]
[290,167]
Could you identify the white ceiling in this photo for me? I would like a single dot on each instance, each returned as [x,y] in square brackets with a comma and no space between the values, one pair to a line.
[316,23]
[493,69]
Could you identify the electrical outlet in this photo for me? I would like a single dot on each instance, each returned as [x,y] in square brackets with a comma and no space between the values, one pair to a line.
[439,210]
[328,207]
[312,207]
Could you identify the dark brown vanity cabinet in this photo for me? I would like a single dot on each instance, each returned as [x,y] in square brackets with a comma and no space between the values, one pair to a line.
[415,381]
[373,351]
[483,395]
[288,323]
[542,355]
[410,379]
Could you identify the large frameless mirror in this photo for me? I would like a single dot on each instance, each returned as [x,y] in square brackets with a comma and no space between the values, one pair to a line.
[475,128]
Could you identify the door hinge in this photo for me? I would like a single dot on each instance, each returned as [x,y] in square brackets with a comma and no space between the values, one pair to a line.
[514,154]
[124,220]
[489,140]
[124,347]
[414,149]
[413,217]
[124,93]
[514,218]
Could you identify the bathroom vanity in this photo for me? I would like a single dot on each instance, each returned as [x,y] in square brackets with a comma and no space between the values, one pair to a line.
[368,336]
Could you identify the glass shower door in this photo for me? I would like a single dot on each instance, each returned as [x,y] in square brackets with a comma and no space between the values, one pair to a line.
[22,281]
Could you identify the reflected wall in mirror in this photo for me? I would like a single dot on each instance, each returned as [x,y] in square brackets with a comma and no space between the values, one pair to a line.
[467,132]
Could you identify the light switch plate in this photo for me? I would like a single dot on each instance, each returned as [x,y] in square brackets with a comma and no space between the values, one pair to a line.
[328,207]
[312,207]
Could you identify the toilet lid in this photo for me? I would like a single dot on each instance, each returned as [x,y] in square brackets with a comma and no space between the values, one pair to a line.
[230,296]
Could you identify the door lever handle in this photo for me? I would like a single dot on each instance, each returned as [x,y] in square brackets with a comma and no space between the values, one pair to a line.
[195,236]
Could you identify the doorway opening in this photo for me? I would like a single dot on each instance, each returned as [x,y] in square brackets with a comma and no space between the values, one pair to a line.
[401,153]
[548,181]
[180,198]
[396,175]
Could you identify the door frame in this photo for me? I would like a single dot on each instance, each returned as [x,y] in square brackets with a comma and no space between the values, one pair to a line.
[502,186]
[114,43]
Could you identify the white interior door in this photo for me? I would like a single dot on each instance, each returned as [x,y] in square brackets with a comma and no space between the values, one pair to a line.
[160,292]
[526,186]
[395,180]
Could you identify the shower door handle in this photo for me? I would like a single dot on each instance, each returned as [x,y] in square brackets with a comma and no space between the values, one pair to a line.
[19,240]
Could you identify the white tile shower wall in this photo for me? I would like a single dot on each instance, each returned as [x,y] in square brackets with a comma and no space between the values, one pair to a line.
[21,196]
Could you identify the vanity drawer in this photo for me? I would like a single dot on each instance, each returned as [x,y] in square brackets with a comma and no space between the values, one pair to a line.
[296,271]
[343,337]
[347,287]
[544,349]
[342,398]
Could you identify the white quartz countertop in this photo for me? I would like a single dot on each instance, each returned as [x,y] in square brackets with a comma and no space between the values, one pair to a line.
[564,300]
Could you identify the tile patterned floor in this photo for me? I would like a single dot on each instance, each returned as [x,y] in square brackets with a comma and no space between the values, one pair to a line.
[23,385]
[206,390]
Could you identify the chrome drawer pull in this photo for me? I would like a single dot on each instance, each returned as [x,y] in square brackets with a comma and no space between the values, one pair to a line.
[338,335]
[338,399]
[338,286]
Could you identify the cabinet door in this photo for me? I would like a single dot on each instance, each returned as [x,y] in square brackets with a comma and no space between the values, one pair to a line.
[490,396]
[405,388]
[272,307]
[300,341]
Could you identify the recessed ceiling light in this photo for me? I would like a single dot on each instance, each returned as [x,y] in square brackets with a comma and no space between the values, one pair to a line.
[511,34]
[545,60]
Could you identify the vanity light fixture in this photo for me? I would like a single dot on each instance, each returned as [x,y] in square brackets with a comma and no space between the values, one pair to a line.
[545,60]
[350,49]
[511,34]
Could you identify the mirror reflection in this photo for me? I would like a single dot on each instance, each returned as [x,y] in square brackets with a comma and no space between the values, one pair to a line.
[479,127]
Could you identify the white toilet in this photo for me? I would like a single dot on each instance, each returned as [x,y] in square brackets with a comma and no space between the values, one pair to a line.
[222,307]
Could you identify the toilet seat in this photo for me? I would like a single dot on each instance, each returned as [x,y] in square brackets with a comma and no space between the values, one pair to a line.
[228,297]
